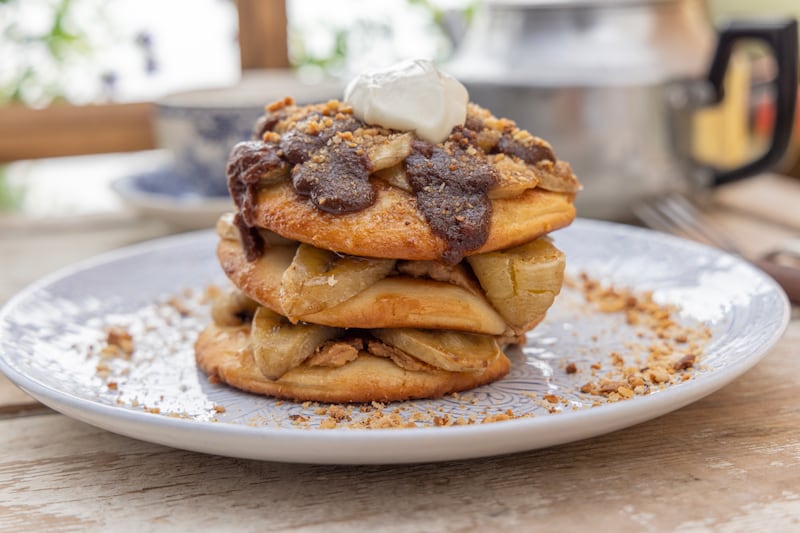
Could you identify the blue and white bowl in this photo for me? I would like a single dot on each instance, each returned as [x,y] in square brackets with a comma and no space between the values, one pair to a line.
[200,127]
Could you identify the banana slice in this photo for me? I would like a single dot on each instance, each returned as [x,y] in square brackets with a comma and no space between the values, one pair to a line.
[521,282]
[414,303]
[448,350]
[249,276]
[318,279]
[514,177]
[226,229]
[396,177]
[557,177]
[458,275]
[389,152]
[232,308]
[278,346]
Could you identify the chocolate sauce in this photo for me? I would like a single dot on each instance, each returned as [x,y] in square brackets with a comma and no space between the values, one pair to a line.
[473,123]
[463,136]
[249,163]
[450,181]
[508,145]
[451,194]
[336,180]
[252,241]
[303,140]
[264,124]
[530,154]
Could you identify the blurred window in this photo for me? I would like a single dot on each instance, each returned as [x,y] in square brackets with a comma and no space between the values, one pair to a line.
[94,51]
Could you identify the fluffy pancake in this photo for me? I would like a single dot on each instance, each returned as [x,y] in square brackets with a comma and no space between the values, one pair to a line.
[224,353]
[382,266]
[394,228]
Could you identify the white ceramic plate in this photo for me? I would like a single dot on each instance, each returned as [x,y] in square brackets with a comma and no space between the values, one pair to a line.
[50,334]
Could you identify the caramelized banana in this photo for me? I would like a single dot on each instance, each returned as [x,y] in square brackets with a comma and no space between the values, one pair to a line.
[396,177]
[448,350]
[318,279]
[226,229]
[458,274]
[557,177]
[232,308]
[278,346]
[515,177]
[398,301]
[521,282]
[389,152]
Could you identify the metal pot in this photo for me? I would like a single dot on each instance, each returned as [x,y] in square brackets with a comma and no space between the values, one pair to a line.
[613,85]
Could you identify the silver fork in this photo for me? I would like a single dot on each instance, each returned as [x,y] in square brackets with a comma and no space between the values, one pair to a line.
[674,213]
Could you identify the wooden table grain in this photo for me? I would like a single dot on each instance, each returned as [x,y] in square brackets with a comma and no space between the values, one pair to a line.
[730,462]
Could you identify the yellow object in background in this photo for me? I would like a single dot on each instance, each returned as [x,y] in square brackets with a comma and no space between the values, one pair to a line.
[722,10]
[721,135]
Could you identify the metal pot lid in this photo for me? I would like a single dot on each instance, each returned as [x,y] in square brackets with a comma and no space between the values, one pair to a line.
[585,43]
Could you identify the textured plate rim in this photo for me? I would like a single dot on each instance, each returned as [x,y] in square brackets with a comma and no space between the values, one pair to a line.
[379,446]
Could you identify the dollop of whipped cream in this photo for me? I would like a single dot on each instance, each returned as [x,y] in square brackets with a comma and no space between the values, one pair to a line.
[410,96]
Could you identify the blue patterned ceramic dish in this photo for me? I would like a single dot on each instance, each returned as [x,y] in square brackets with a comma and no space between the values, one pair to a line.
[164,194]
[200,127]
[200,139]
[52,332]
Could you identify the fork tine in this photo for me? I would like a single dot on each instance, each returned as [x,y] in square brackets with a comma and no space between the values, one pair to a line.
[673,213]
[677,215]
[655,219]
[682,219]
[659,216]
[685,211]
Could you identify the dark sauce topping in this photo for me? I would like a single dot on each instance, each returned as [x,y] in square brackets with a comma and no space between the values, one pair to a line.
[529,150]
[531,153]
[336,179]
[265,123]
[309,135]
[249,163]
[473,123]
[463,137]
[252,161]
[252,241]
[451,188]
[324,147]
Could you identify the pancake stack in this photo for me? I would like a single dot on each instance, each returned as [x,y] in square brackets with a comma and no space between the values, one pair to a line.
[372,265]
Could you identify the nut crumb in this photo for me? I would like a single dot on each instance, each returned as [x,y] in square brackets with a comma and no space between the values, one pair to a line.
[687,361]
[668,358]
[120,339]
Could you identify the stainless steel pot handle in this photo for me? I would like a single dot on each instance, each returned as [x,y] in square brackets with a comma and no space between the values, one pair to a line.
[781,37]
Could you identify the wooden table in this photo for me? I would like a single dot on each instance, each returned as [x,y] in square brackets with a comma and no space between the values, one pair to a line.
[730,462]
